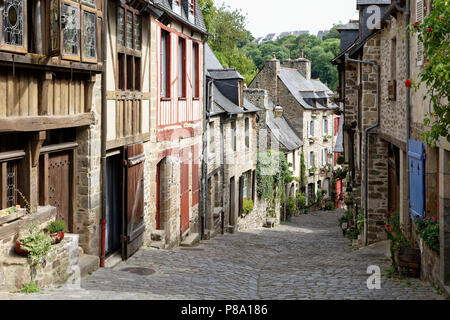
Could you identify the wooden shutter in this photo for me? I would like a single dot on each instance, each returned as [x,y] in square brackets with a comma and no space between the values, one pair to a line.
[419,17]
[416,160]
[134,219]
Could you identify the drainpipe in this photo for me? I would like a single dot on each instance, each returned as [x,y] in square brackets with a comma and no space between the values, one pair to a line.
[103,139]
[366,134]
[222,156]
[206,118]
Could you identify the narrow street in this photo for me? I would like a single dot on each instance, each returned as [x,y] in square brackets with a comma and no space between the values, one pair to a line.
[305,259]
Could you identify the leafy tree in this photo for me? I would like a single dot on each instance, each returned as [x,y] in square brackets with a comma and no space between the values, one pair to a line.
[434,33]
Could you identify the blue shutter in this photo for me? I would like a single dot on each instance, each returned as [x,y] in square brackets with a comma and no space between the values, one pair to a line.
[416,163]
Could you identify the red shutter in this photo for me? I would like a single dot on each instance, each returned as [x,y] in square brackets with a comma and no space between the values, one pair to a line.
[195,175]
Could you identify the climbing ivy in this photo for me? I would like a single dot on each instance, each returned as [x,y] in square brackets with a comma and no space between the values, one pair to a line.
[434,33]
[302,170]
[272,171]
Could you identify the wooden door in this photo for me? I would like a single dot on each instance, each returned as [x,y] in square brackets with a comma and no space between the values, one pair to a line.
[393,189]
[134,219]
[184,176]
[59,185]
[232,201]
[338,192]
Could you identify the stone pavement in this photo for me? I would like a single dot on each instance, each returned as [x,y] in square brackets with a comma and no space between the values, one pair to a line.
[305,259]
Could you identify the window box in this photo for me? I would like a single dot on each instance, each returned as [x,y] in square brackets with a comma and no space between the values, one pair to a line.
[327,137]
[314,115]
[312,171]
[312,140]
[325,114]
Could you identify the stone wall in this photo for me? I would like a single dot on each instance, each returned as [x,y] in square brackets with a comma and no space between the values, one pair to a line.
[60,266]
[88,179]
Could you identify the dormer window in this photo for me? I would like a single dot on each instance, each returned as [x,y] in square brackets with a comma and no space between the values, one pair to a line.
[241,93]
[176,6]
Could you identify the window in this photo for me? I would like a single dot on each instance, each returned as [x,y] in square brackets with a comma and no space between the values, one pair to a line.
[247,133]
[293,160]
[245,194]
[312,160]
[13,17]
[195,70]
[217,193]
[419,44]
[181,67]
[311,128]
[325,127]
[192,6]
[53,28]
[11,183]
[128,46]
[233,135]
[393,59]
[79,32]
[212,146]
[165,64]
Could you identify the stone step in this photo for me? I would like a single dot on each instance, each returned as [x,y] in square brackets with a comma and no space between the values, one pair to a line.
[191,240]
[88,264]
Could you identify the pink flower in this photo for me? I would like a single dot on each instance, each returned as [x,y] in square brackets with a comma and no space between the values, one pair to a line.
[433,219]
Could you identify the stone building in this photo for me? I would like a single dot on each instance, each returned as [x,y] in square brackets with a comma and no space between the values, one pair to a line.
[307,106]
[50,132]
[403,173]
[231,152]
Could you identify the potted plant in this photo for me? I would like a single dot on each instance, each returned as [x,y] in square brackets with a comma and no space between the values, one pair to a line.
[340,159]
[326,138]
[300,200]
[312,171]
[56,230]
[312,140]
[290,208]
[36,245]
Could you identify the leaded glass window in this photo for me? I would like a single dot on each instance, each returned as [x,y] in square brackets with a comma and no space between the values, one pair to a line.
[129,30]
[89,35]
[11,180]
[54,25]
[121,26]
[13,23]
[137,33]
[71,29]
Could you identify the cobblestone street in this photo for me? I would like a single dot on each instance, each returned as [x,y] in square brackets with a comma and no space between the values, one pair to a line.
[305,259]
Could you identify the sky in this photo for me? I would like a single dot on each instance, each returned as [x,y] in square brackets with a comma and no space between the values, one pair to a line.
[266,16]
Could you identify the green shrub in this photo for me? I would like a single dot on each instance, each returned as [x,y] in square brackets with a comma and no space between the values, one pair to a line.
[349,201]
[290,206]
[300,201]
[56,226]
[428,229]
[329,205]
[31,287]
[340,159]
[247,206]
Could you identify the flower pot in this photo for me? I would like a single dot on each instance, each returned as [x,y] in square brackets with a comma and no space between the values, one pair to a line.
[57,236]
[20,249]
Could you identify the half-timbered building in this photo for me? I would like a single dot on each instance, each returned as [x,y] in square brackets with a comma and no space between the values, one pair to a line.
[50,65]
[176,113]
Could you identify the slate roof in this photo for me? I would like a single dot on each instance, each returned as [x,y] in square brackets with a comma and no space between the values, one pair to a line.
[224,74]
[369,2]
[211,61]
[282,130]
[222,104]
[199,23]
[349,26]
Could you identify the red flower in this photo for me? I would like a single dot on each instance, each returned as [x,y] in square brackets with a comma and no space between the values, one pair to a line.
[430,30]
[427,218]
[433,219]
[408,83]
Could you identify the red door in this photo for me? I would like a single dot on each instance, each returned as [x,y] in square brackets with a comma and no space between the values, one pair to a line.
[184,210]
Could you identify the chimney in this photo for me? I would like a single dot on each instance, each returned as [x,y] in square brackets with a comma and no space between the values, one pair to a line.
[302,64]
[270,75]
